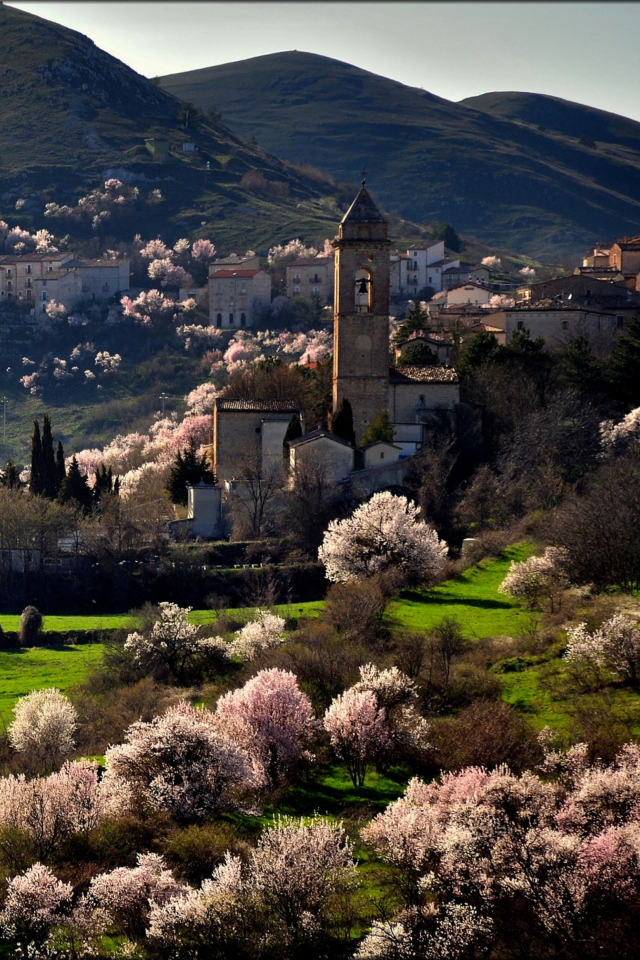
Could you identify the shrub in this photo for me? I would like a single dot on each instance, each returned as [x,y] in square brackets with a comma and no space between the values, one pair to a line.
[30,626]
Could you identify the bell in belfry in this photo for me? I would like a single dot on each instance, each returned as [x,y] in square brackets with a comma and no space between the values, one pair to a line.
[362,288]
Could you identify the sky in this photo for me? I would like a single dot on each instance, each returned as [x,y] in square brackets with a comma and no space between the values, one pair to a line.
[586,52]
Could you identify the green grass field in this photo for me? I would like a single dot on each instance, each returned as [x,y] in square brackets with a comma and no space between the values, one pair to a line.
[22,671]
[472,598]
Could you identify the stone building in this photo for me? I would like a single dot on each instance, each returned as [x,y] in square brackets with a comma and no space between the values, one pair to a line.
[248,435]
[312,279]
[33,279]
[237,295]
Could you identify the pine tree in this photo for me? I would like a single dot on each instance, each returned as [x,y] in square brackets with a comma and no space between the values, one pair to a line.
[75,488]
[380,428]
[61,470]
[581,368]
[412,323]
[11,477]
[419,353]
[293,431]
[49,468]
[342,422]
[103,484]
[37,481]
[623,370]
[187,468]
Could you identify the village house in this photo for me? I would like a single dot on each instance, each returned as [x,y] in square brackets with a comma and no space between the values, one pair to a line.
[557,322]
[321,449]
[469,292]
[312,278]
[620,261]
[236,295]
[35,279]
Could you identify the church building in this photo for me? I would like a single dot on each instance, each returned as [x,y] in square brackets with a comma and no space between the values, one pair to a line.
[413,395]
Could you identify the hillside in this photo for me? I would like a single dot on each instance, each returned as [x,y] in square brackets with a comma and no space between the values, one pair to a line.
[482,165]
[71,115]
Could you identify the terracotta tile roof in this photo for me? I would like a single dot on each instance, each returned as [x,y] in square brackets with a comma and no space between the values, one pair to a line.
[414,374]
[310,262]
[258,406]
[317,435]
[225,274]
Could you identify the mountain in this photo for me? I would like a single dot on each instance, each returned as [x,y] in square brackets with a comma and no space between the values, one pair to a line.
[488,165]
[72,115]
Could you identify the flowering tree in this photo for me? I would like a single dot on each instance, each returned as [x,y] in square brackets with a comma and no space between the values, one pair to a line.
[498,301]
[358,731]
[265,632]
[44,726]
[51,809]
[181,763]
[558,858]
[176,277]
[124,896]
[270,718]
[492,262]
[36,901]
[381,533]
[527,272]
[299,869]
[289,888]
[200,401]
[537,577]
[172,647]
[615,646]
[203,251]
[286,253]
[398,696]
[621,436]
[156,250]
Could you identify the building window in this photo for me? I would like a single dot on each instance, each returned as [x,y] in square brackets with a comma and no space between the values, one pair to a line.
[565,324]
[28,294]
[9,274]
[105,287]
[296,278]
[230,319]
[28,268]
[44,283]
[28,283]
[44,295]
[218,320]
[296,289]
[243,319]
[9,285]
[520,324]
[315,291]
[44,308]
[50,268]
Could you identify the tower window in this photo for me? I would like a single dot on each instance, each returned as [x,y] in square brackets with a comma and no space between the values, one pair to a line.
[243,319]
[218,320]
[230,319]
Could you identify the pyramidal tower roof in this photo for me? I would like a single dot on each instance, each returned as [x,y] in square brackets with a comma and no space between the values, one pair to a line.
[363,210]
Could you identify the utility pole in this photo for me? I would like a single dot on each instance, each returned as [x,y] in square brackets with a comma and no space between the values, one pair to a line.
[4,426]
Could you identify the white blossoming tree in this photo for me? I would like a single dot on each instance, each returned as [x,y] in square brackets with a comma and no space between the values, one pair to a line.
[537,577]
[44,727]
[265,632]
[381,533]
[615,646]
[173,647]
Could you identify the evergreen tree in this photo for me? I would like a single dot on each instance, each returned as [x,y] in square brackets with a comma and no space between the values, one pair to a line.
[187,468]
[451,239]
[75,488]
[293,431]
[49,467]
[11,477]
[37,481]
[104,483]
[483,348]
[420,354]
[342,422]
[380,428]
[412,323]
[581,368]
[61,470]
[623,368]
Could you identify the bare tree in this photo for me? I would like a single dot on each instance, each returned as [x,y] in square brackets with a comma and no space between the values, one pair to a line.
[253,493]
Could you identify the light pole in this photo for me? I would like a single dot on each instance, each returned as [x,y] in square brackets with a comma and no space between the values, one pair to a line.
[163,397]
[4,426]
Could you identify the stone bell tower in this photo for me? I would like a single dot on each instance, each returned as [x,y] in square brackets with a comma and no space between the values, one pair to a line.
[361,312]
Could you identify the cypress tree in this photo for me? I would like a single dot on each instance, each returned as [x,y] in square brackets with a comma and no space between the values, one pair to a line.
[342,422]
[380,428]
[187,468]
[36,483]
[49,468]
[75,488]
[61,470]
[103,484]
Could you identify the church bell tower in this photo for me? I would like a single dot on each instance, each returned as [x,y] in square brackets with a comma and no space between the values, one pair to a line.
[361,312]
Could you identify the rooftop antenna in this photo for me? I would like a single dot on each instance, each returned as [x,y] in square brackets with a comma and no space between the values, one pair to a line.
[364,176]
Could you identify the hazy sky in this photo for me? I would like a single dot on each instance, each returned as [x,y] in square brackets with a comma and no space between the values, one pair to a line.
[587,52]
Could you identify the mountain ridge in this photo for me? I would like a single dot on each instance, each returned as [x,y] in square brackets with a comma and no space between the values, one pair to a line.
[498,178]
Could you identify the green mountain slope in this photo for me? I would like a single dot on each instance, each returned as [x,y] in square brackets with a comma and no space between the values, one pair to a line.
[490,173]
[72,115]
